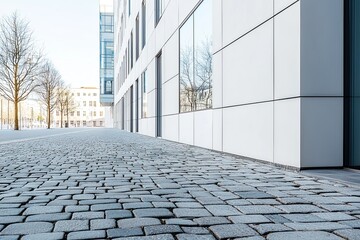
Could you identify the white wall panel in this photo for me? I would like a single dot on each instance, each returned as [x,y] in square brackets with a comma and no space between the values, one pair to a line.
[321,132]
[280,5]
[248,131]
[203,128]
[170,96]
[287,53]
[248,68]
[217,129]
[171,58]
[186,130]
[171,127]
[322,47]
[242,16]
[287,132]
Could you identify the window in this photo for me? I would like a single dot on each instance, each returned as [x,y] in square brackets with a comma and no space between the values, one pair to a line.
[72,113]
[72,94]
[94,103]
[90,103]
[101,123]
[84,123]
[94,114]
[131,50]
[78,94]
[84,113]
[143,24]
[84,103]
[78,113]
[108,87]
[94,94]
[101,113]
[196,60]
[143,95]
[137,38]
[84,94]
[129,7]
[159,10]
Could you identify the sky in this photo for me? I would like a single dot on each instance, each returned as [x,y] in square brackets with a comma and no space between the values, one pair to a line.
[68,33]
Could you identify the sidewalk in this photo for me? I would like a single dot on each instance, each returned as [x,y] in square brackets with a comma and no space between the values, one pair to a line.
[109,184]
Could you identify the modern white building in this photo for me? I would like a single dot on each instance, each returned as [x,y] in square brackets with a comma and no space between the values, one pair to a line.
[263,79]
[86,110]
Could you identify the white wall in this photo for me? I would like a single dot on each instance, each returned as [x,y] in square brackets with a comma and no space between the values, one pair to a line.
[277,79]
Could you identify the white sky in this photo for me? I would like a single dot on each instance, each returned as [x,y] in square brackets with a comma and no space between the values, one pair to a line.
[68,31]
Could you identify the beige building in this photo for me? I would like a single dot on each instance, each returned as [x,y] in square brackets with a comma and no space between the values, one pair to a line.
[87,111]
[32,113]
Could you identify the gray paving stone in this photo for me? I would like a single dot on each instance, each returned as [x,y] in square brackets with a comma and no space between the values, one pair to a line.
[106,206]
[195,230]
[310,235]
[87,215]
[270,227]
[44,236]
[303,218]
[352,223]
[71,225]
[102,224]
[259,209]
[137,205]
[87,235]
[11,211]
[186,236]
[335,216]
[51,217]
[124,232]
[77,208]
[232,231]
[222,210]
[180,221]
[316,226]
[10,237]
[163,204]
[191,212]
[300,208]
[162,229]
[208,221]
[137,222]
[11,219]
[27,228]
[249,219]
[155,237]
[188,205]
[351,234]
[152,212]
[118,214]
[42,210]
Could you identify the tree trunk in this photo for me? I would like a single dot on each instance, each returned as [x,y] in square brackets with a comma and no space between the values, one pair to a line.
[16,123]
[48,117]
[61,119]
[67,117]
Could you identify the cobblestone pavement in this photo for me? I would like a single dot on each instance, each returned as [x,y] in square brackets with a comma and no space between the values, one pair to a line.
[108,184]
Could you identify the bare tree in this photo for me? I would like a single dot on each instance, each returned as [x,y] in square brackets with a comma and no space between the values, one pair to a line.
[61,101]
[49,82]
[20,61]
[69,104]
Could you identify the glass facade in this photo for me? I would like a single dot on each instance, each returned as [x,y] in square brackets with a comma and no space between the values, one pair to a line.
[352,84]
[196,60]
[106,57]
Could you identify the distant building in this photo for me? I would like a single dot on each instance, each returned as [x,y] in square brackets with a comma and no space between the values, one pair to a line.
[87,110]
[107,59]
[31,113]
